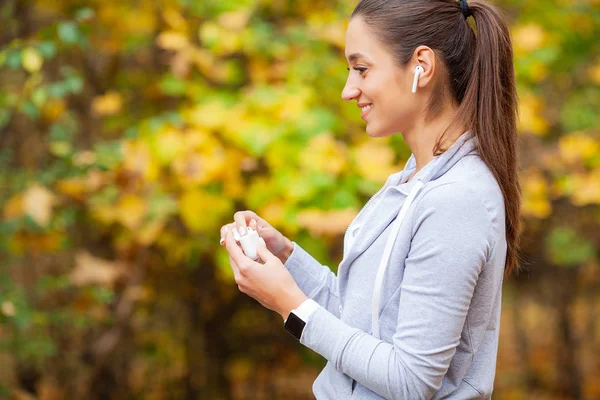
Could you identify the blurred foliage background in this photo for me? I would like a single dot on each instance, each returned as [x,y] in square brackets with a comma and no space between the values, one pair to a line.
[131,131]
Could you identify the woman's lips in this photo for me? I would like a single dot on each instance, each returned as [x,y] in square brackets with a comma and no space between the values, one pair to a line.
[366,111]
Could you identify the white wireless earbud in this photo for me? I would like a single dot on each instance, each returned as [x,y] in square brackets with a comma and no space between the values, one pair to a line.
[418,71]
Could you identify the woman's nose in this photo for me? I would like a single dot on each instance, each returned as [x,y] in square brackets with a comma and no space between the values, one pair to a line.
[350,92]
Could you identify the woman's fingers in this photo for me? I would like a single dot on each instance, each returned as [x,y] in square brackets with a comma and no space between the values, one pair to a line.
[224,231]
[253,224]
[243,220]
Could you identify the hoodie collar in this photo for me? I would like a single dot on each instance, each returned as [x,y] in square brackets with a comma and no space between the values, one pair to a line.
[465,144]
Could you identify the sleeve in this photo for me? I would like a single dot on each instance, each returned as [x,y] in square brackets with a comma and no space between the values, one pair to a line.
[449,248]
[317,281]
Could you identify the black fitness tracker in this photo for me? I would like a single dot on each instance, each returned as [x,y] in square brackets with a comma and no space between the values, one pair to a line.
[294,325]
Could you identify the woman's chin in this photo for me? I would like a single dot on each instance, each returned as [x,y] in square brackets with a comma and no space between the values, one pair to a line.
[372,130]
[377,132]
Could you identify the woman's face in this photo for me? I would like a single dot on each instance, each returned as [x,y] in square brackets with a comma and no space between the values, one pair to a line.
[375,79]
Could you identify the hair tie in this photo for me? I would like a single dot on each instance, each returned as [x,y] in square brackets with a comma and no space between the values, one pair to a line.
[464,8]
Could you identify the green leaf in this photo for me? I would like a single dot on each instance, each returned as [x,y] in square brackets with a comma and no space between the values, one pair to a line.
[59,132]
[39,96]
[4,117]
[344,198]
[108,155]
[57,89]
[29,109]
[68,32]
[13,59]
[74,84]
[84,14]
[172,86]
[565,247]
[48,49]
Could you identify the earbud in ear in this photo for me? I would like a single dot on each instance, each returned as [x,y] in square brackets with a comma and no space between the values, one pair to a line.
[418,71]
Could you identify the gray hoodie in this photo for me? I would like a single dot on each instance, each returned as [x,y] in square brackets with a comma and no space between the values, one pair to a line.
[436,335]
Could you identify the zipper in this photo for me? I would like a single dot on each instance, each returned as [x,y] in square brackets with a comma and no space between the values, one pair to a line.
[365,207]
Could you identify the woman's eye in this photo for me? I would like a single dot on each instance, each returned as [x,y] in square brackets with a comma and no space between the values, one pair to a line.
[360,69]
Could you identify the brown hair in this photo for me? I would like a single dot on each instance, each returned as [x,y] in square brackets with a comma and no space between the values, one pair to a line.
[480,79]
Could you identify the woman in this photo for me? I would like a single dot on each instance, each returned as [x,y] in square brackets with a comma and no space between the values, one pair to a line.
[414,311]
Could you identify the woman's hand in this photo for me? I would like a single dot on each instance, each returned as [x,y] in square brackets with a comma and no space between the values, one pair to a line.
[270,283]
[276,243]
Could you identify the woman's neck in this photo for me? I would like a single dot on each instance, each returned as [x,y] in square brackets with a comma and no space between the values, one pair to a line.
[422,138]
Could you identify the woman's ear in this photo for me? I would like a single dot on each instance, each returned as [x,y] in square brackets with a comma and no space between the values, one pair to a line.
[425,57]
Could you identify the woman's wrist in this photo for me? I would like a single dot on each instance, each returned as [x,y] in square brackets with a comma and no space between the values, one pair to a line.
[287,251]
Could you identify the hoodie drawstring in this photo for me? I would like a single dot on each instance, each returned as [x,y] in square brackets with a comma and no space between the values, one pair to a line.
[386,256]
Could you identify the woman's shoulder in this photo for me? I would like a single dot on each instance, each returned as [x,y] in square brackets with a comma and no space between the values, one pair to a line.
[468,190]
[468,181]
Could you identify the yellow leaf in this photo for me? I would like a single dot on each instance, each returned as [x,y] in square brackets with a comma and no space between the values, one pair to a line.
[168,145]
[527,38]
[294,103]
[53,109]
[106,214]
[78,187]
[137,158]
[203,59]
[60,148]
[209,33]
[202,211]
[326,26]
[539,71]
[180,64]
[36,243]
[32,59]
[577,146]
[324,154]
[84,158]
[131,210]
[37,203]
[595,73]
[530,118]
[235,20]
[274,212]
[14,207]
[92,270]
[332,222]
[374,160]
[586,189]
[147,234]
[210,115]
[197,168]
[171,40]
[47,242]
[535,202]
[107,104]
[174,19]
[220,41]
[8,308]
[233,186]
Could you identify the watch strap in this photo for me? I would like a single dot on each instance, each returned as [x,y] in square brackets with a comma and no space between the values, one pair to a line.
[299,317]
[294,325]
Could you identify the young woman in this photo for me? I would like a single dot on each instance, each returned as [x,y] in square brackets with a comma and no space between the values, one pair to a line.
[414,311]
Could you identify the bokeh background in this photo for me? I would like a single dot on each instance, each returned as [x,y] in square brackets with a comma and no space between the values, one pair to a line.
[132,130]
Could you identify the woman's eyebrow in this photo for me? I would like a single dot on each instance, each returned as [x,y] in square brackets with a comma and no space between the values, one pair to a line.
[356,56]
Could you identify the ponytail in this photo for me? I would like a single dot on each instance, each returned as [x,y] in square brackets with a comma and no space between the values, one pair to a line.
[490,106]
[481,80]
